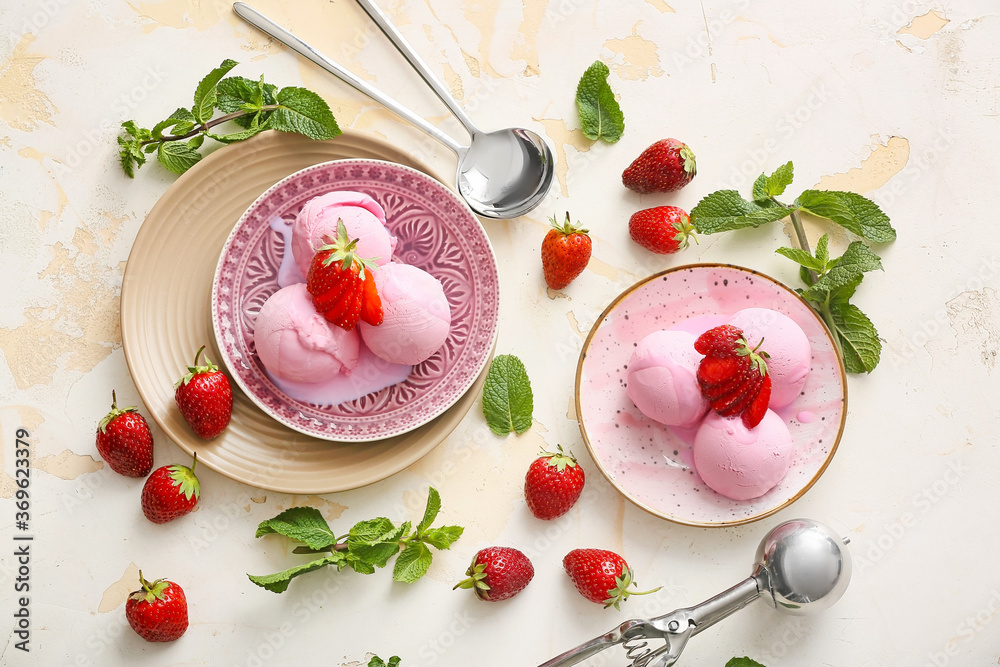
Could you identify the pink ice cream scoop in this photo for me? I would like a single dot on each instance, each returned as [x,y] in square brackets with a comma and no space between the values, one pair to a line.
[788,347]
[296,343]
[363,217]
[742,463]
[417,317]
[662,381]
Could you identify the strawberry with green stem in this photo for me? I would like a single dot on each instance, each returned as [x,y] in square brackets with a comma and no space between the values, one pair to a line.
[124,441]
[601,576]
[662,229]
[157,611]
[665,166]
[553,484]
[342,284]
[171,492]
[205,398]
[566,251]
[498,573]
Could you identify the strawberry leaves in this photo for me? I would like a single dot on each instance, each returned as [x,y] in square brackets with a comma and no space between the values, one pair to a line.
[830,282]
[368,545]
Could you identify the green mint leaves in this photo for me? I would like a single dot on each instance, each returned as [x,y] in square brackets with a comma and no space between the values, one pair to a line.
[378,662]
[600,115]
[368,545]
[507,398]
[252,106]
[830,282]
[743,662]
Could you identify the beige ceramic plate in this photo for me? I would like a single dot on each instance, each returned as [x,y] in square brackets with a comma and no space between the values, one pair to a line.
[166,316]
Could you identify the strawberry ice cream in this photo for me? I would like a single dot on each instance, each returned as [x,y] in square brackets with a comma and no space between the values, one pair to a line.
[661,379]
[296,343]
[363,217]
[788,347]
[417,317]
[742,463]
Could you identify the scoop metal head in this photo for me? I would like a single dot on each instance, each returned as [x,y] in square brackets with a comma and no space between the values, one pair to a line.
[506,173]
[802,566]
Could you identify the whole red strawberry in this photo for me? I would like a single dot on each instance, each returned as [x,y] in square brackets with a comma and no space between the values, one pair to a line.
[601,576]
[665,166]
[124,441]
[565,253]
[342,284]
[663,229]
[170,492]
[205,398]
[498,573]
[157,611]
[733,376]
[553,484]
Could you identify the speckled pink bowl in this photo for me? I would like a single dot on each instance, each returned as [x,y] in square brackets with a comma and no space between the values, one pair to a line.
[651,464]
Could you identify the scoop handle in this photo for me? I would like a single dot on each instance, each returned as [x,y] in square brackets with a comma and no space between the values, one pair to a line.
[390,31]
[269,27]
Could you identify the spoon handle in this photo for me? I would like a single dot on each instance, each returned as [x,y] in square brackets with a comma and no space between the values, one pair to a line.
[386,26]
[269,27]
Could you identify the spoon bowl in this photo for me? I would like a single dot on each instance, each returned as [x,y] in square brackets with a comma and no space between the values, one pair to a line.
[505,174]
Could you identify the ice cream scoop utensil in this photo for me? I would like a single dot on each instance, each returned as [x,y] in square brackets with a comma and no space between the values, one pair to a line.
[501,174]
[801,567]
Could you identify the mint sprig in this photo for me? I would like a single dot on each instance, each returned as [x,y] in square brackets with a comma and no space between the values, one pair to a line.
[600,115]
[378,662]
[252,106]
[507,399]
[830,282]
[368,545]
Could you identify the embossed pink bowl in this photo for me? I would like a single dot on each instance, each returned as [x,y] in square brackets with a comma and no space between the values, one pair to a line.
[436,232]
[651,464]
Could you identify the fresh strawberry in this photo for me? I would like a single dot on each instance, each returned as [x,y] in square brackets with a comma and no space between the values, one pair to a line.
[663,229]
[205,398]
[665,166]
[601,576]
[124,441]
[553,484]
[157,611]
[170,492]
[342,284]
[733,376]
[498,573]
[565,253]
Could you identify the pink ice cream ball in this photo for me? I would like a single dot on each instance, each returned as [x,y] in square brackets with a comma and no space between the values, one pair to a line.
[662,380]
[296,343]
[417,317]
[787,345]
[363,218]
[742,463]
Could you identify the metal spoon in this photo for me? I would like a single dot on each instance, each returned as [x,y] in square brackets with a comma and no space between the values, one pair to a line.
[502,174]
[801,567]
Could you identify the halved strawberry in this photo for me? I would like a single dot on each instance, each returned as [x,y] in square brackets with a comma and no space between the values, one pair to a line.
[733,376]
[715,371]
[753,414]
[371,304]
[337,280]
[720,341]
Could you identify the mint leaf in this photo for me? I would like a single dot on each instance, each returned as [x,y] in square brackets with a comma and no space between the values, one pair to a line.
[181,120]
[823,249]
[234,92]
[177,157]
[851,211]
[375,541]
[394,661]
[431,511]
[743,662]
[507,398]
[726,210]
[205,94]
[278,582]
[847,270]
[359,564]
[377,662]
[130,155]
[412,563]
[256,127]
[802,257]
[600,115]
[766,187]
[304,524]
[443,537]
[858,337]
[304,112]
